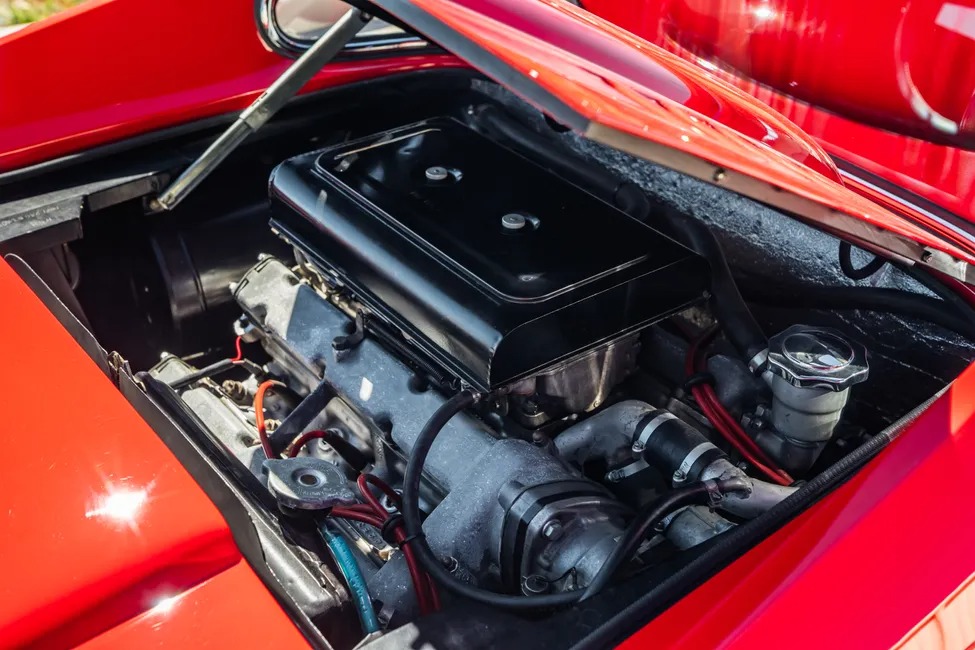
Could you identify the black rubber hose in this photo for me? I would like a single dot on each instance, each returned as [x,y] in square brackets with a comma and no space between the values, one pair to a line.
[737,322]
[648,518]
[893,301]
[729,546]
[636,532]
[947,294]
[414,530]
[854,273]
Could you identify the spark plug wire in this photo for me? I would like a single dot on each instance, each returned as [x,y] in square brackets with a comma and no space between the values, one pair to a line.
[426,594]
[722,420]
[240,353]
[259,416]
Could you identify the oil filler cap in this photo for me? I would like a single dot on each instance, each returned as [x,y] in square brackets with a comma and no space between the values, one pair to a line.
[819,357]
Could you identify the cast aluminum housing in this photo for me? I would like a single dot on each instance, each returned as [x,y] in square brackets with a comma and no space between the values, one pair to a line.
[494,267]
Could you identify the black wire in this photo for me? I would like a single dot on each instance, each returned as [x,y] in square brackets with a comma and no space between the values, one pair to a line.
[424,554]
[647,519]
[696,493]
[880,299]
[732,544]
[947,294]
[850,271]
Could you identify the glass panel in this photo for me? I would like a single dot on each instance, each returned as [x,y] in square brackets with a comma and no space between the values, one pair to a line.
[306,20]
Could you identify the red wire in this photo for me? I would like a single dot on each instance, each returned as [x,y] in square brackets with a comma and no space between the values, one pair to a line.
[356,515]
[735,436]
[240,353]
[426,595]
[259,416]
[722,420]
[390,493]
[295,447]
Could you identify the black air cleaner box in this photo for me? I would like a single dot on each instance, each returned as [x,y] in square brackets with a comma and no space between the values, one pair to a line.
[494,267]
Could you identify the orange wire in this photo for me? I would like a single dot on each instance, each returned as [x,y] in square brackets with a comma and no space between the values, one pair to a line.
[259,416]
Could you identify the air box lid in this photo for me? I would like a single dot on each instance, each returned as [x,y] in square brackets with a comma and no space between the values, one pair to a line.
[494,267]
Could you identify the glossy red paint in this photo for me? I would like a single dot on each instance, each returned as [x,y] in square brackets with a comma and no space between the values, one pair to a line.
[820,52]
[892,74]
[99,520]
[117,68]
[230,610]
[624,85]
[937,173]
[862,567]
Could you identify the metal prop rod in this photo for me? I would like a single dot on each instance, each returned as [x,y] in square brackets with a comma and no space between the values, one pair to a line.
[264,107]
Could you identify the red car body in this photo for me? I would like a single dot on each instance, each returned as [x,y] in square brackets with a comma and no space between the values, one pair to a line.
[868,81]
[108,541]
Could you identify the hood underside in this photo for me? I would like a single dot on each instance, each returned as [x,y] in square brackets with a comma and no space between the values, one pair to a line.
[619,90]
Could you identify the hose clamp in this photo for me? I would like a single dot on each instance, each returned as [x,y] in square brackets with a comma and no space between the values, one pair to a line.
[757,363]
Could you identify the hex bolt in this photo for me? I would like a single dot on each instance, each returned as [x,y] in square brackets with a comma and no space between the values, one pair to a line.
[513,221]
[534,585]
[437,173]
[552,530]
[638,447]
[679,476]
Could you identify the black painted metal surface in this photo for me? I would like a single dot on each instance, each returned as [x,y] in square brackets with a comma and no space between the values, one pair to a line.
[494,266]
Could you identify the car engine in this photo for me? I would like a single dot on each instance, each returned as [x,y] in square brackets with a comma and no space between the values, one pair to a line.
[451,375]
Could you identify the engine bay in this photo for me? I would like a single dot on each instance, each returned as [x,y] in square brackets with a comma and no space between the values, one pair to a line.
[464,359]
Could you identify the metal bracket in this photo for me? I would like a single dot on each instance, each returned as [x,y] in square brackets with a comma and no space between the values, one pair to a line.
[270,102]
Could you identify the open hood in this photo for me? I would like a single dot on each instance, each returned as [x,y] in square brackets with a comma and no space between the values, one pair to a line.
[622,91]
[892,75]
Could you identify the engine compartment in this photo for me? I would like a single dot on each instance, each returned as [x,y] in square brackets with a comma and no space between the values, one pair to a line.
[480,363]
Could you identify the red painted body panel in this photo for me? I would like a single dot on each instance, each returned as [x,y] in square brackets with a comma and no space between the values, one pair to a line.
[228,611]
[844,570]
[940,174]
[99,520]
[859,569]
[879,61]
[125,67]
[822,52]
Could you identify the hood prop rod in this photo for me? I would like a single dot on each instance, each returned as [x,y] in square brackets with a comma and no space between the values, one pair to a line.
[264,107]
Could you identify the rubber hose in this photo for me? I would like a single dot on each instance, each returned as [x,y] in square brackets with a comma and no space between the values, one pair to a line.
[737,322]
[945,293]
[648,518]
[854,273]
[880,299]
[414,530]
[343,557]
[730,545]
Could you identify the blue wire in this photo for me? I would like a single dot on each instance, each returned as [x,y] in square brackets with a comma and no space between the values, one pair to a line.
[353,577]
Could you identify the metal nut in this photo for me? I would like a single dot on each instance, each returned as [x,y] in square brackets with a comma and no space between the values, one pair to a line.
[552,530]
[437,173]
[513,221]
